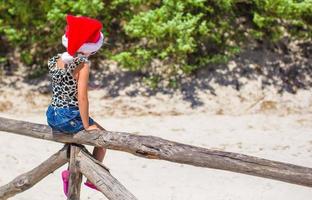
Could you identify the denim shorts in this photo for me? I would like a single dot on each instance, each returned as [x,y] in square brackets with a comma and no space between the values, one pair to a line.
[66,120]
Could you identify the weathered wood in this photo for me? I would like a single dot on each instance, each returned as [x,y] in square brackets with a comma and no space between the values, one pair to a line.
[29,179]
[75,177]
[157,148]
[100,176]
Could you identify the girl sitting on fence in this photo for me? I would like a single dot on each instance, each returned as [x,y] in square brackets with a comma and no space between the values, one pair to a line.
[68,111]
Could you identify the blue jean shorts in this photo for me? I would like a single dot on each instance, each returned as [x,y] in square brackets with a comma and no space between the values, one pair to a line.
[66,120]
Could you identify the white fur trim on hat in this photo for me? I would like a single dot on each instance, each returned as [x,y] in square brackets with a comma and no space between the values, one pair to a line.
[67,58]
[86,47]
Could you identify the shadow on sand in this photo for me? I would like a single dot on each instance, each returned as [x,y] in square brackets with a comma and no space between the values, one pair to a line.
[288,68]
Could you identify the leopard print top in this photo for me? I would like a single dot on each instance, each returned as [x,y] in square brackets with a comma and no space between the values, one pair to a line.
[64,85]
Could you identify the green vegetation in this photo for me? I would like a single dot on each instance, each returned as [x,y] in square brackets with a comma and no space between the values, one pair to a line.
[181,35]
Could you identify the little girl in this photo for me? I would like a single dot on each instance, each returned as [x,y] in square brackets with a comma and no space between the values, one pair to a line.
[68,111]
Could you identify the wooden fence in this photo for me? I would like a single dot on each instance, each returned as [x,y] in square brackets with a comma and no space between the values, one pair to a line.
[82,162]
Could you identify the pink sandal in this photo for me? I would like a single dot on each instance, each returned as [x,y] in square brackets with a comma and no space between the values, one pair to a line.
[90,185]
[65,178]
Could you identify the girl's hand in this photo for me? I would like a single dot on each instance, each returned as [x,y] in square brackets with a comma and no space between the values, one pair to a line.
[92,127]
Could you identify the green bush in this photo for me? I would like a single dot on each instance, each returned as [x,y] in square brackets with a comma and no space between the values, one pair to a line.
[195,33]
[180,35]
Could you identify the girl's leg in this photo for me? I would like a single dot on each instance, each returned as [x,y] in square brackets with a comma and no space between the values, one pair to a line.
[99,152]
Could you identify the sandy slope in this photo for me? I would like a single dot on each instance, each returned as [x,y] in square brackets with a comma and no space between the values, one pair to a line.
[283,138]
[251,99]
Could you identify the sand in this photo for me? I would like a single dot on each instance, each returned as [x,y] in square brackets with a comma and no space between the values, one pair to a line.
[254,121]
[281,138]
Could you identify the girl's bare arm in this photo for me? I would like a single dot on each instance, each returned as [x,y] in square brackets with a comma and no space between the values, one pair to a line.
[83,102]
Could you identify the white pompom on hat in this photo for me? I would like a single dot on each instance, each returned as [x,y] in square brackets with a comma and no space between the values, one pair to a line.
[83,34]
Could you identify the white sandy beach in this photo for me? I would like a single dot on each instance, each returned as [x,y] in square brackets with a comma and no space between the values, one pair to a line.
[281,138]
[253,121]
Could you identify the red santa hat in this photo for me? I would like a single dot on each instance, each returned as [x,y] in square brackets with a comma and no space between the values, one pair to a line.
[83,34]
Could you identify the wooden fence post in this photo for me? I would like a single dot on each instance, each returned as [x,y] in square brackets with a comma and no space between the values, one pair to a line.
[75,177]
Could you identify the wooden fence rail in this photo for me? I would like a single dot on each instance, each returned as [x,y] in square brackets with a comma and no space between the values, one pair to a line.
[29,179]
[154,148]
